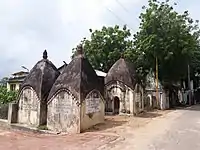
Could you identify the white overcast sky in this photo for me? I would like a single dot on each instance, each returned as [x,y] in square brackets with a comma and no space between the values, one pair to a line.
[27,27]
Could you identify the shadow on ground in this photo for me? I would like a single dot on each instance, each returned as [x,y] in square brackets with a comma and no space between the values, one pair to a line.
[110,122]
[117,121]
[193,108]
[187,107]
[149,115]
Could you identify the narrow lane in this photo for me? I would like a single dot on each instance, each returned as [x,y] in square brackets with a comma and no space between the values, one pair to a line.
[183,134]
[177,130]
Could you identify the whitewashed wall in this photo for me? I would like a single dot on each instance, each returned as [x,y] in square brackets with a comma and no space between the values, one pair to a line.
[63,113]
[125,95]
[92,110]
[130,100]
[29,107]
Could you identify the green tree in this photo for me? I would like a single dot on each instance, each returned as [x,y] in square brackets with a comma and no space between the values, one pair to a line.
[3,81]
[169,36]
[106,46]
[7,96]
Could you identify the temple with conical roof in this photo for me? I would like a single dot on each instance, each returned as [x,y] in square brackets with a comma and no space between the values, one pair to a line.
[34,91]
[123,94]
[75,102]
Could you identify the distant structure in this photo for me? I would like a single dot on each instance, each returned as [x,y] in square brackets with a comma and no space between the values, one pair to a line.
[34,92]
[75,102]
[163,96]
[16,80]
[123,94]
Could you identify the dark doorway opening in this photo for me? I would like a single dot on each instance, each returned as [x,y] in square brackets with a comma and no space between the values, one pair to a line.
[116,105]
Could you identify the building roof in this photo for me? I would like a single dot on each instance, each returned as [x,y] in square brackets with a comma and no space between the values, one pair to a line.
[20,73]
[100,73]
[16,79]
[77,77]
[122,71]
[61,68]
[42,77]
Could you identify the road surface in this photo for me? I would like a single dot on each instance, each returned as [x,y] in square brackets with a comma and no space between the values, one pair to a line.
[177,130]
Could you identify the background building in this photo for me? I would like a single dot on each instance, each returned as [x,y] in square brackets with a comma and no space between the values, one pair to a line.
[15,80]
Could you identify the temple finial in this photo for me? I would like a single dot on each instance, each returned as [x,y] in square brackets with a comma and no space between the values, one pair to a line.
[45,54]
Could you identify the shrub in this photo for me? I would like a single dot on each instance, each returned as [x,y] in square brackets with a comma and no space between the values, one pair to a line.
[42,127]
[7,96]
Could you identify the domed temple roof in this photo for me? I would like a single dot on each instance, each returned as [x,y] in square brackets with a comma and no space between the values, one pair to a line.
[122,71]
[42,77]
[77,77]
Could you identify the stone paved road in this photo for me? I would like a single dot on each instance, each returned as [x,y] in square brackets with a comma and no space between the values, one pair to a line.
[177,130]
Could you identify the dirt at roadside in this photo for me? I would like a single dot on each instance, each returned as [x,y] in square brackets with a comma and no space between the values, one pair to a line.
[102,136]
[119,124]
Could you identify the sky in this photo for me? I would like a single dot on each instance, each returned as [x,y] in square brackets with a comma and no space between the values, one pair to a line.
[28,27]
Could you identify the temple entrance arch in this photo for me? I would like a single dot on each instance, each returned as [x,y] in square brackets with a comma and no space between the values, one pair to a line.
[116,105]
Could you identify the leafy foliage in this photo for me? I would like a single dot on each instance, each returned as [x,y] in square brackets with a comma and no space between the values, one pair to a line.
[165,34]
[106,46]
[169,36]
[42,127]
[3,81]
[7,96]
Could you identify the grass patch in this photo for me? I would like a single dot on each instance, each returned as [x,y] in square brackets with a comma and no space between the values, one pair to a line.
[42,127]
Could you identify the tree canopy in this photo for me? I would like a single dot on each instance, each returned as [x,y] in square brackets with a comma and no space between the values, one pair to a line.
[7,96]
[106,46]
[165,34]
[3,81]
[171,37]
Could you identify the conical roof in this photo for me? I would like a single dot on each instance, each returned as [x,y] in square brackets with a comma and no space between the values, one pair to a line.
[77,77]
[42,77]
[122,71]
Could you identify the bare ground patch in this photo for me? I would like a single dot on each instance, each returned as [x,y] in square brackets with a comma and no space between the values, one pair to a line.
[119,124]
[114,130]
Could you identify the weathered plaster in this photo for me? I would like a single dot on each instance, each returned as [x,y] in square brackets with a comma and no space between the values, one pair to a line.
[4,111]
[139,100]
[12,113]
[125,95]
[92,110]
[29,107]
[131,101]
[163,100]
[63,113]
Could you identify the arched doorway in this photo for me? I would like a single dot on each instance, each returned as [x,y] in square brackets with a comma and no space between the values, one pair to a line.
[148,102]
[116,105]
